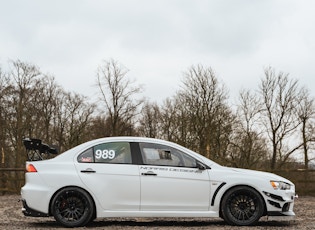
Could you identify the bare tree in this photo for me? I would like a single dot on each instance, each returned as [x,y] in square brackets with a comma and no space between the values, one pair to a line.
[175,123]
[4,86]
[33,105]
[203,100]
[248,146]
[280,99]
[41,108]
[150,121]
[306,112]
[99,127]
[168,111]
[118,95]
[72,120]
[24,76]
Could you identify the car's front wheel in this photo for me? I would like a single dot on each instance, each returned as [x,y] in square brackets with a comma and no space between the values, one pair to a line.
[242,206]
[72,207]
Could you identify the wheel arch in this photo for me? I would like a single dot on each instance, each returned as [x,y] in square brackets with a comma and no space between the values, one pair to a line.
[241,185]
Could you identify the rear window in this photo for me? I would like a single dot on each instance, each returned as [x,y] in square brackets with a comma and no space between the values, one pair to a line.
[111,153]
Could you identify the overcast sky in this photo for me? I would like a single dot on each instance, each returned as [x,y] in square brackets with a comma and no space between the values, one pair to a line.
[159,40]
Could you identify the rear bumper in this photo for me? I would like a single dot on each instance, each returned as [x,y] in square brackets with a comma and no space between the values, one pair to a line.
[27,211]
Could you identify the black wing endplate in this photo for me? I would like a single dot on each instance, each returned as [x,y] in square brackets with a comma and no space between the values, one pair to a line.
[36,150]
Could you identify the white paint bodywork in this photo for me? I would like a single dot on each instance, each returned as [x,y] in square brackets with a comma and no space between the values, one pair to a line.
[121,190]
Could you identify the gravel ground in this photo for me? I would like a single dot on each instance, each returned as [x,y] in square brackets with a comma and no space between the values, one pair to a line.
[11,217]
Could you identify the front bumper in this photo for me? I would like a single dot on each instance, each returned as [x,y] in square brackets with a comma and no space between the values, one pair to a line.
[280,216]
[27,211]
[280,206]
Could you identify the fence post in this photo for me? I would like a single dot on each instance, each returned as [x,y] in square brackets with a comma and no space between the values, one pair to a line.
[3,176]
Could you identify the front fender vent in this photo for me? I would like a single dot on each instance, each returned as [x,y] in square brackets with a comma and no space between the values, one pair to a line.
[216,192]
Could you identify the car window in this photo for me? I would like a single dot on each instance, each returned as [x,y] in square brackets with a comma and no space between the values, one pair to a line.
[86,156]
[113,153]
[156,154]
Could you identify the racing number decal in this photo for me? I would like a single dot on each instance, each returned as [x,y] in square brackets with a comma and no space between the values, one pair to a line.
[105,154]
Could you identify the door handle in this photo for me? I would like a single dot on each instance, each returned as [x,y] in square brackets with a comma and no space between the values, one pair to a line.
[149,173]
[89,170]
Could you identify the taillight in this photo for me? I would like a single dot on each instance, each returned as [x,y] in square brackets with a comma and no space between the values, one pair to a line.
[30,168]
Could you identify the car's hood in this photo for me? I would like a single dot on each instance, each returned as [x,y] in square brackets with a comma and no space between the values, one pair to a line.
[261,174]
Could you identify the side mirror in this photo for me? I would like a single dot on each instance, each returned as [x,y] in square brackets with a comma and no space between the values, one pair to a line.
[201,166]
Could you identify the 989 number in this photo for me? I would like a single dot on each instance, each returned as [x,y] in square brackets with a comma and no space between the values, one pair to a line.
[105,154]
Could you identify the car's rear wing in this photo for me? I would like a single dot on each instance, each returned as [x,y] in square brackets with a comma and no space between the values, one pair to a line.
[36,150]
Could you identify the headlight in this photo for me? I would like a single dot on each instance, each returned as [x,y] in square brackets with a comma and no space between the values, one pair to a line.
[280,185]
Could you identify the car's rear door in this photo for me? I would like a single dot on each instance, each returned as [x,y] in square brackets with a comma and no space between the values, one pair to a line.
[171,181]
[107,170]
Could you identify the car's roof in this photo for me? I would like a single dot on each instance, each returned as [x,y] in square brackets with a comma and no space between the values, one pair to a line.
[69,154]
[129,139]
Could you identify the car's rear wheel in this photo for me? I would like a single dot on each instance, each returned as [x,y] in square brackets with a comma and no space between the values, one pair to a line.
[72,207]
[242,206]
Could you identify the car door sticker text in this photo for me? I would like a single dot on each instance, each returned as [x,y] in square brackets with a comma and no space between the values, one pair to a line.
[105,154]
[86,159]
[170,169]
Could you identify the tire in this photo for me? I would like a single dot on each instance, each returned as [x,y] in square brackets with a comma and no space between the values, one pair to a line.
[72,207]
[242,206]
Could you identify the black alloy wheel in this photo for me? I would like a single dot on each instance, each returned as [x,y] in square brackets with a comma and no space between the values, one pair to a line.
[72,207]
[242,206]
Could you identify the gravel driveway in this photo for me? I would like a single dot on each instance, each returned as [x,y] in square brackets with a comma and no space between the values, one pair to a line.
[12,218]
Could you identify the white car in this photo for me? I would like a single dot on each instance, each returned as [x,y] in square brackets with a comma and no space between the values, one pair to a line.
[144,177]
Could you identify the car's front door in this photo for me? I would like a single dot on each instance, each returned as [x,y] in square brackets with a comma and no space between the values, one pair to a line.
[171,181]
[108,172]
